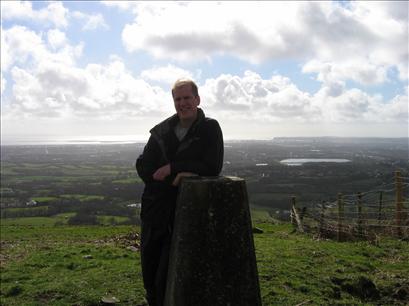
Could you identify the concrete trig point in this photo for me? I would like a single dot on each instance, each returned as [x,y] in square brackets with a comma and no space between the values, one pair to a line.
[212,260]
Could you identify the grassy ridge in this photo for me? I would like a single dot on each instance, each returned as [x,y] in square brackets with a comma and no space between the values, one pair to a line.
[47,265]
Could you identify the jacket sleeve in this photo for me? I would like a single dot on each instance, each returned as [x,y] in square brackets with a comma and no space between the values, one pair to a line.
[211,162]
[147,162]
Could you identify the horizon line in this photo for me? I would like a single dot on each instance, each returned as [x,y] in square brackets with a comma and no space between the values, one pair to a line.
[98,140]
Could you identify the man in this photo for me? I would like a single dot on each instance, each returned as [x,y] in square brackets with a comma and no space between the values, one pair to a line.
[184,144]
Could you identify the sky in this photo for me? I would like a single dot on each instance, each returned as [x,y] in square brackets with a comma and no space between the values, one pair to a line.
[104,70]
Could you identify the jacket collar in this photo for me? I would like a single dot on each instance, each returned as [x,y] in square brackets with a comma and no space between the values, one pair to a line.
[161,129]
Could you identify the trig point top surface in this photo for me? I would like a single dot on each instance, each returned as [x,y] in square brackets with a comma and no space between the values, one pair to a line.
[212,178]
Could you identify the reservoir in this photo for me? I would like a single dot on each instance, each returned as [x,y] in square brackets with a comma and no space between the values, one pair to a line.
[301,161]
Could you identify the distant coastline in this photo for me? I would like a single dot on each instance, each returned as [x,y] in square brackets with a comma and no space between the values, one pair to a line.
[301,161]
[99,140]
[130,139]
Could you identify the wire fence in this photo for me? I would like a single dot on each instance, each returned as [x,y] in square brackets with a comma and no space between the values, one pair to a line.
[368,215]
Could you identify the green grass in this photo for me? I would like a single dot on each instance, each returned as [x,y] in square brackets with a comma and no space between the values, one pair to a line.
[82,197]
[24,211]
[295,268]
[258,215]
[32,178]
[132,180]
[28,221]
[38,221]
[45,265]
[44,199]
[60,219]
[43,192]
[107,220]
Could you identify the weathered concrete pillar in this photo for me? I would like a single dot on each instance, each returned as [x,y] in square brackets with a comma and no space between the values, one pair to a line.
[212,260]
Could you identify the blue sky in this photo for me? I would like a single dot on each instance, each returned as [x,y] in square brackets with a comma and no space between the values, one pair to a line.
[87,69]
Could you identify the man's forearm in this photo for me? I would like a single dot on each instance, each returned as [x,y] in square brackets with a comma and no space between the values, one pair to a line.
[161,173]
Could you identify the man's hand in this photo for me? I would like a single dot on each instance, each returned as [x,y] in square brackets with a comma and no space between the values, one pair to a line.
[179,176]
[161,173]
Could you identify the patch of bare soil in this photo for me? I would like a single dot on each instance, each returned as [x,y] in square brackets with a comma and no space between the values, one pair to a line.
[130,240]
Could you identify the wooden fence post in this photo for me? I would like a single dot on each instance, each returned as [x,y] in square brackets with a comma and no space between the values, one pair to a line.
[340,216]
[322,219]
[292,215]
[359,222]
[399,203]
[297,218]
[380,208]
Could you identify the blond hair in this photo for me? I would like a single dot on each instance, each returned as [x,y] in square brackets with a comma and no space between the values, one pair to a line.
[182,82]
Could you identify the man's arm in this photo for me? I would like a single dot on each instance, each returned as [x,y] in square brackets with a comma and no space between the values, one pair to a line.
[212,162]
[147,162]
[162,173]
[181,175]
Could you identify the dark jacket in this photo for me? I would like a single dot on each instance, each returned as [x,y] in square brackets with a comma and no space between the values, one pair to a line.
[200,152]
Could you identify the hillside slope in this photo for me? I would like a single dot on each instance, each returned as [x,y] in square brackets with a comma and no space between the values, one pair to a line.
[63,265]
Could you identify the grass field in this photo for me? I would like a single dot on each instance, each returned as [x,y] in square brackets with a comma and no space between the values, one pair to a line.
[82,197]
[44,199]
[42,264]
[38,221]
[128,181]
[67,266]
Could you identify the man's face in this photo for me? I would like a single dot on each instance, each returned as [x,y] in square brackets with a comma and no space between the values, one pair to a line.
[185,102]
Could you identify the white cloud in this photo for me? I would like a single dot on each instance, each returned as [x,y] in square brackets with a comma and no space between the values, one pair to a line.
[118,92]
[57,89]
[92,21]
[3,84]
[396,110]
[56,38]
[251,97]
[122,5]
[6,58]
[25,47]
[160,29]
[278,100]
[55,13]
[357,106]
[18,44]
[16,9]
[95,21]
[167,74]
[360,43]
[47,83]
[109,93]
[331,73]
